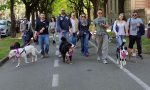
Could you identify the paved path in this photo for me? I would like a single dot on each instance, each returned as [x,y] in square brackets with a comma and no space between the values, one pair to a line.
[86,73]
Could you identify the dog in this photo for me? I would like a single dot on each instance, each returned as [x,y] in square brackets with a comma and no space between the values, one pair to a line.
[132,53]
[66,50]
[23,52]
[122,54]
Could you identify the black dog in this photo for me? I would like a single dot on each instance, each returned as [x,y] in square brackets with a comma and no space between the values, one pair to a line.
[64,47]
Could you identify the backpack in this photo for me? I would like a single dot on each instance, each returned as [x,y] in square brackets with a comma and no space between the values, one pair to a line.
[141,29]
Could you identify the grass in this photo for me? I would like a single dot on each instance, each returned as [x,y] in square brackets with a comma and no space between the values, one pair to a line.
[5,46]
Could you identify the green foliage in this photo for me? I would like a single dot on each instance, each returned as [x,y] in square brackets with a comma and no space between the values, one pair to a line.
[58,5]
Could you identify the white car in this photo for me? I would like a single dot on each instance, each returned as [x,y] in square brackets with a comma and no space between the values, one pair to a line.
[5,27]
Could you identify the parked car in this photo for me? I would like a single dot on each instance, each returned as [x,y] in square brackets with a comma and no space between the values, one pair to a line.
[5,27]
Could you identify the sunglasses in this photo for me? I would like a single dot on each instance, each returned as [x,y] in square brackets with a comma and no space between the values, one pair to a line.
[83,16]
[134,14]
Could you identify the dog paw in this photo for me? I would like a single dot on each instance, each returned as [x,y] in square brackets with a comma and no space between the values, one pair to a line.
[17,66]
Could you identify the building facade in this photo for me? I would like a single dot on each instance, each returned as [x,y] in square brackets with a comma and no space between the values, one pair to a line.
[143,6]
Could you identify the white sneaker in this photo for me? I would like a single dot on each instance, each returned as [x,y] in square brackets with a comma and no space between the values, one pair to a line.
[59,56]
[105,62]
[98,58]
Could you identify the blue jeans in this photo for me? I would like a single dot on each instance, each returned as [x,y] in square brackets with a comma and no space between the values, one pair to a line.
[119,40]
[73,39]
[84,43]
[64,34]
[44,43]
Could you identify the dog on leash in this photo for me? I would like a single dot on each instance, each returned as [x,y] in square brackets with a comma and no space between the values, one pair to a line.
[66,50]
[122,54]
[23,52]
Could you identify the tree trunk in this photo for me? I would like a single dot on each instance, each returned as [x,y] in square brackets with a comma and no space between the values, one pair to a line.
[28,12]
[121,6]
[13,20]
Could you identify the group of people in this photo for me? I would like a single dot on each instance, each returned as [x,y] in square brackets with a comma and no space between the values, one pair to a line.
[74,29]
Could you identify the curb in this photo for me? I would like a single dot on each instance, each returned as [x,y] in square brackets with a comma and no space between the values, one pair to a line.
[3,61]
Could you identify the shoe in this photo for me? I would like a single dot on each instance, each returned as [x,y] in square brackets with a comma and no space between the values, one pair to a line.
[140,56]
[98,58]
[46,55]
[86,54]
[60,56]
[105,62]
[42,56]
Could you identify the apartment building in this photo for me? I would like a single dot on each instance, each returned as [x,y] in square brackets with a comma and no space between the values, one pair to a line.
[143,6]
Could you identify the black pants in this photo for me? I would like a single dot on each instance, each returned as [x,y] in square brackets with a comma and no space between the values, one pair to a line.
[137,39]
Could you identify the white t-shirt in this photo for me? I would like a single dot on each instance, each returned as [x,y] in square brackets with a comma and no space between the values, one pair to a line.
[73,25]
[122,26]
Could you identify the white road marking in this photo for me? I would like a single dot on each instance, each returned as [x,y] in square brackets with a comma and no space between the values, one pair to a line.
[131,75]
[56,63]
[55,80]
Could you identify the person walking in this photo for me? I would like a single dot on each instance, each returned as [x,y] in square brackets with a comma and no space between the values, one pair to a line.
[73,34]
[101,25]
[43,35]
[134,23]
[26,30]
[120,29]
[64,25]
[52,28]
[84,34]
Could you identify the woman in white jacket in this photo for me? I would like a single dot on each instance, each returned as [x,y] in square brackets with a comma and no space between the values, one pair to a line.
[120,29]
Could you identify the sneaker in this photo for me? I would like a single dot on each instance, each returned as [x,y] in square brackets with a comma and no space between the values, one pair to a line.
[98,58]
[59,55]
[46,55]
[105,62]
[42,56]
[141,57]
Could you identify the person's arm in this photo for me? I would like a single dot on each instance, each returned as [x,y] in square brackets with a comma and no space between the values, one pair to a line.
[128,25]
[58,24]
[114,27]
[126,29]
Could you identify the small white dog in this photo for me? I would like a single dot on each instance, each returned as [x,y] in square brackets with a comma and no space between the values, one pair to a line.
[23,52]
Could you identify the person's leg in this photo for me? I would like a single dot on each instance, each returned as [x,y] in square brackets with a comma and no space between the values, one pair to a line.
[99,41]
[105,47]
[82,44]
[139,46]
[47,43]
[131,43]
[86,41]
[41,43]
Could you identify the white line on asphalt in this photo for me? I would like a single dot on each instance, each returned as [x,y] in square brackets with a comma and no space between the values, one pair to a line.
[55,80]
[131,75]
[56,63]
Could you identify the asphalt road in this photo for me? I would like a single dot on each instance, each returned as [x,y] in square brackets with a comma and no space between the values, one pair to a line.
[86,73]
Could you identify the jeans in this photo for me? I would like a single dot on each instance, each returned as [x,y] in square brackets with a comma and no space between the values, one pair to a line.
[119,40]
[44,43]
[84,43]
[73,39]
[64,34]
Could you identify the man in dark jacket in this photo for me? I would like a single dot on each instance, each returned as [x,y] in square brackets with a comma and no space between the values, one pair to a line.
[43,35]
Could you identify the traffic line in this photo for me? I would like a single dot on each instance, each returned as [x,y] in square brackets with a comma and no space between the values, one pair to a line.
[56,63]
[55,80]
[131,75]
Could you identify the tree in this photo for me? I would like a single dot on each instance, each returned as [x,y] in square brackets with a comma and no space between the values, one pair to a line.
[13,20]
[121,6]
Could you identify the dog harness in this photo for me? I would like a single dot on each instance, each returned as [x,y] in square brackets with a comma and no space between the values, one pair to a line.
[123,54]
[18,54]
